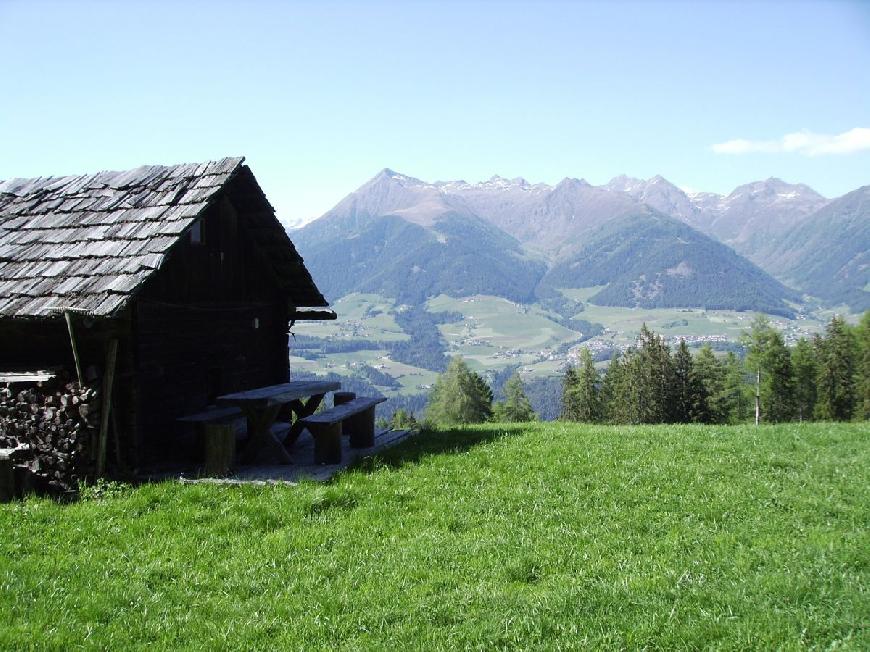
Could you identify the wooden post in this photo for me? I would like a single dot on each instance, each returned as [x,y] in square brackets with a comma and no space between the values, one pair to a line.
[219,442]
[757,396]
[362,428]
[75,349]
[108,380]
[327,443]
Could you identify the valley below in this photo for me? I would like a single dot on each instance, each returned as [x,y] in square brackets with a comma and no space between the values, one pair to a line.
[497,336]
[520,277]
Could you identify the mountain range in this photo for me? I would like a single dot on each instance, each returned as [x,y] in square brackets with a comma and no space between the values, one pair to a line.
[646,242]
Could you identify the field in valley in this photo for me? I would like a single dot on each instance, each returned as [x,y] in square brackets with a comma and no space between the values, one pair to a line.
[543,536]
[492,333]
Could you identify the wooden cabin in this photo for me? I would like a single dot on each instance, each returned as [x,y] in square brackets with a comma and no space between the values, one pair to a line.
[186,267]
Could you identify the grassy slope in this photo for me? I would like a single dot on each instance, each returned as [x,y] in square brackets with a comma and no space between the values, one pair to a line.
[544,536]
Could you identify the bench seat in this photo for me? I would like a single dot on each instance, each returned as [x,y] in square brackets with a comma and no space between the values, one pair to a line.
[218,433]
[213,415]
[355,417]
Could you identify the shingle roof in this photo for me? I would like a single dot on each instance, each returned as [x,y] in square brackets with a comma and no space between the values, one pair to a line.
[86,243]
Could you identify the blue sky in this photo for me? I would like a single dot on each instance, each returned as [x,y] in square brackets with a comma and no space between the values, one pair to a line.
[320,96]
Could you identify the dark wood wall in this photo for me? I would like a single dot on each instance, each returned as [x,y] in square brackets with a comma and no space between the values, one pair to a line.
[211,321]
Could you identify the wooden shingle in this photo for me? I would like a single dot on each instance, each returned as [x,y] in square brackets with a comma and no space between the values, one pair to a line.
[88,242]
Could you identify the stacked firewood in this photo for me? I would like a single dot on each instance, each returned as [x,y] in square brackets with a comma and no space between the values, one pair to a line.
[59,424]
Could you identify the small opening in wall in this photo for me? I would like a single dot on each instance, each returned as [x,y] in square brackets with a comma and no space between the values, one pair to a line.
[196,233]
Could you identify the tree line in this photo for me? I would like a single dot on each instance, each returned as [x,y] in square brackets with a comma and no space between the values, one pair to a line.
[826,377]
[823,378]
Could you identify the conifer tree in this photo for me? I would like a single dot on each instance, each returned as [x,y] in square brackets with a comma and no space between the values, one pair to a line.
[836,356]
[614,391]
[650,375]
[689,393]
[737,394]
[403,420]
[587,399]
[712,375]
[862,337]
[803,362]
[768,356]
[569,395]
[459,396]
[516,407]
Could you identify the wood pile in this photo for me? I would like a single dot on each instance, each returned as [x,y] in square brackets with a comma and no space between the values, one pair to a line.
[59,423]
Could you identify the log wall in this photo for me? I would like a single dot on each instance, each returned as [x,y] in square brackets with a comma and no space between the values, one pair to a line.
[210,322]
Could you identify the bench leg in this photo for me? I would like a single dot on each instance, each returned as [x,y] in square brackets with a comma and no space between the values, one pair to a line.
[263,447]
[219,442]
[327,443]
[362,429]
[301,410]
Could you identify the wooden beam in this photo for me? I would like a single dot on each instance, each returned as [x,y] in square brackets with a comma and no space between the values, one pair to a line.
[312,315]
[75,349]
[108,380]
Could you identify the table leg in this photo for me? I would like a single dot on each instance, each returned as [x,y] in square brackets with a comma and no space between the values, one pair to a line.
[263,447]
[301,410]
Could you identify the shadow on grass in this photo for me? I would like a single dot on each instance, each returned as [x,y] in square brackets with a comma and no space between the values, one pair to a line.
[439,441]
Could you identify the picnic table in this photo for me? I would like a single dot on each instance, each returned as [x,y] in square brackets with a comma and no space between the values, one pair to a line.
[261,407]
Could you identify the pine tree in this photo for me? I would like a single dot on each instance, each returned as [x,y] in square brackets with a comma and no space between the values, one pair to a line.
[585,394]
[778,387]
[713,375]
[689,393]
[569,395]
[768,355]
[837,355]
[614,392]
[803,362]
[459,396]
[516,407]
[862,381]
[737,394]
[650,380]
[403,420]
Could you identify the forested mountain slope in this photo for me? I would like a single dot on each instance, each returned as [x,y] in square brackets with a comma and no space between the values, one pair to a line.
[828,254]
[410,239]
[651,260]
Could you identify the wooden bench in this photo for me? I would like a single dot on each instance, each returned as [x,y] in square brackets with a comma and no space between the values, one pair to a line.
[355,417]
[215,425]
[261,407]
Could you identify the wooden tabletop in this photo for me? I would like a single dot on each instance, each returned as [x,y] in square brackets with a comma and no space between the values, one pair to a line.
[279,394]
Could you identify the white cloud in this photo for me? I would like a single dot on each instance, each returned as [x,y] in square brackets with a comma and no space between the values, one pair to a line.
[802,142]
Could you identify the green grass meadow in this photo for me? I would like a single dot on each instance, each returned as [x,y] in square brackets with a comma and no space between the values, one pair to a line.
[546,536]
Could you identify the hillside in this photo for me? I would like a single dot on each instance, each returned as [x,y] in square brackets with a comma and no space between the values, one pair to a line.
[756,217]
[828,254]
[456,254]
[650,260]
[546,536]
[552,220]
[411,240]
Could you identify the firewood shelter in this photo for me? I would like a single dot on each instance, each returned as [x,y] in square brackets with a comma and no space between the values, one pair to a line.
[162,287]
